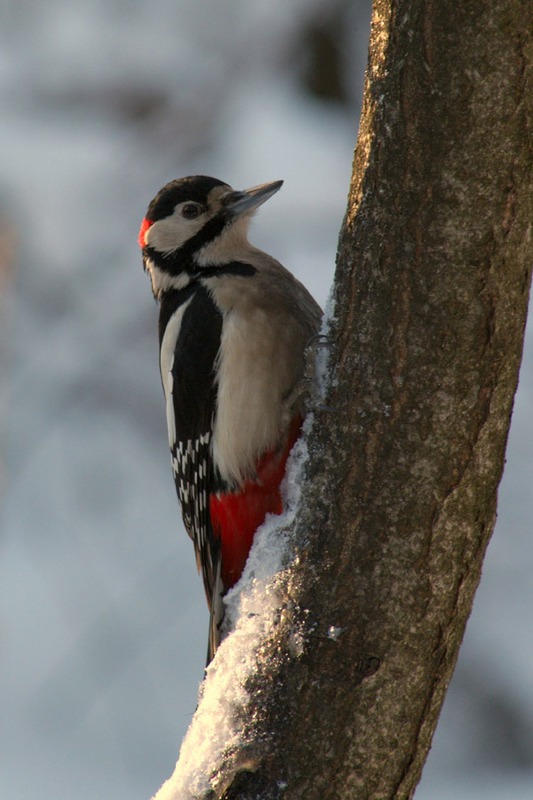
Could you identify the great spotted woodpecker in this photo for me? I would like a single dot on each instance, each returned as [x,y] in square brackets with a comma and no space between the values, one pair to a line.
[233,330]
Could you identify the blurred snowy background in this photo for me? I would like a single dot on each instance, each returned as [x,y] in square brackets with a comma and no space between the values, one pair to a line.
[102,618]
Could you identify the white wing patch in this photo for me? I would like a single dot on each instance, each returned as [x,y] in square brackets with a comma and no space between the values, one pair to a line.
[168,346]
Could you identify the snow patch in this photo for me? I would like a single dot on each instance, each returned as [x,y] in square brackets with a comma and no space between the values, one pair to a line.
[323,376]
[252,607]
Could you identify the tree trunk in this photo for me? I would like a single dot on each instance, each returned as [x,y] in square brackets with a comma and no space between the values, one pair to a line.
[406,455]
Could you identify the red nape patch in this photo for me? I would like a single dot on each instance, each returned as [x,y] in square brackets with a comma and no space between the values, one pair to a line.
[236,516]
[146,223]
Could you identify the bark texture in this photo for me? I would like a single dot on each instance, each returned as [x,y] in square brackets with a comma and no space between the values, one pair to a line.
[430,307]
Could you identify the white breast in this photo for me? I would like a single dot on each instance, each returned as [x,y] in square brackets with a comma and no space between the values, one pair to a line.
[259,376]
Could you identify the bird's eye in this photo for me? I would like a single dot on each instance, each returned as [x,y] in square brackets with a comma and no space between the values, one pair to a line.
[191,210]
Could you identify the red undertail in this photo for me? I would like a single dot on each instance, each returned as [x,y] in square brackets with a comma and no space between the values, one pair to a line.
[236,516]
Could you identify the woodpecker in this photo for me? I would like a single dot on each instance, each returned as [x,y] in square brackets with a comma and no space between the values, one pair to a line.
[234,325]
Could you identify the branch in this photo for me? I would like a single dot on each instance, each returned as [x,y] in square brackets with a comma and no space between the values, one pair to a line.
[342,686]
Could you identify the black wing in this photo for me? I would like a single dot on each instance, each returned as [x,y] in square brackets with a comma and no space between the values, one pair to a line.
[193,405]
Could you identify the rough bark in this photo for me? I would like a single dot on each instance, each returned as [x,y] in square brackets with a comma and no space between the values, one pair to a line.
[406,456]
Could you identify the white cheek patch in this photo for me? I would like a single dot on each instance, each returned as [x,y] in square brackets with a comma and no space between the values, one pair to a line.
[170,233]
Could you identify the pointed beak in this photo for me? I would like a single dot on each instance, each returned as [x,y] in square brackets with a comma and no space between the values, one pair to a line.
[237,203]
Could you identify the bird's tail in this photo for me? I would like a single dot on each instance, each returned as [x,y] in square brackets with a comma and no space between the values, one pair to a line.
[216,616]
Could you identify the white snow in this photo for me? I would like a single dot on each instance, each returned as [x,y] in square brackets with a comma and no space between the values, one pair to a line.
[251,608]
[320,377]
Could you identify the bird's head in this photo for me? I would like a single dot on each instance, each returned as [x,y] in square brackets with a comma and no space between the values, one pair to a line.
[196,223]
